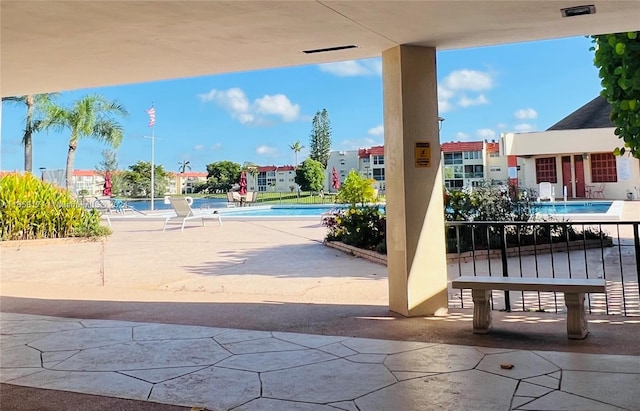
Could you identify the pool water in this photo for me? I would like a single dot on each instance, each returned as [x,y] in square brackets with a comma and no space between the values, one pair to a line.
[279,211]
[573,207]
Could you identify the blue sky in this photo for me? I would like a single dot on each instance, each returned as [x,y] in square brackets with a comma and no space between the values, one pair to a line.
[254,116]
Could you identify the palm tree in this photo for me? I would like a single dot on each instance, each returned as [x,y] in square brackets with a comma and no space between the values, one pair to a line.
[32,124]
[184,165]
[296,147]
[89,117]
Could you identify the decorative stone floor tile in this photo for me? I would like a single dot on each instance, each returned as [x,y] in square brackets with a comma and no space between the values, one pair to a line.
[437,358]
[620,390]
[345,405]
[37,326]
[8,374]
[367,358]
[331,381]
[233,336]
[275,360]
[545,381]
[519,401]
[15,340]
[401,375]
[525,364]
[587,362]
[57,356]
[20,356]
[145,355]
[338,350]
[99,383]
[464,390]
[213,388]
[268,404]
[526,389]
[83,338]
[562,401]
[261,346]
[307,340]
[108,323]
[368,346]
[173,332]
[157,375]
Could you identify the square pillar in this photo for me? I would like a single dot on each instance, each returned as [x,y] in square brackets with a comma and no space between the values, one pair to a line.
[416,253]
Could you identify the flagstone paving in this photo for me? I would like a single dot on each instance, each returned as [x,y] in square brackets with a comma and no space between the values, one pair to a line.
[231,369]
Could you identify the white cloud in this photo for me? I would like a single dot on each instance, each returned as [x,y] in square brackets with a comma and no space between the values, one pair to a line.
[278,105]
[352,68]
[377,130]
[523,127]
[466,101]
[357,143]
[485,133]
[235,101]
[526,113]
[444,106]
[198,147]
[216,146]
[266,151]
[501,126]
[468,80]
[461,136]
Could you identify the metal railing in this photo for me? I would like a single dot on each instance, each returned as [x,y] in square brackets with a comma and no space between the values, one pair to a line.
[608,250]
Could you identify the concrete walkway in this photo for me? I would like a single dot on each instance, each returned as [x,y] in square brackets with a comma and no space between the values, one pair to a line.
[232,369]
[260,315]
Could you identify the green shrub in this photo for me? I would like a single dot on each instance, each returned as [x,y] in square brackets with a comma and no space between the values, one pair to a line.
[31,209]
[362,227]
[356,189]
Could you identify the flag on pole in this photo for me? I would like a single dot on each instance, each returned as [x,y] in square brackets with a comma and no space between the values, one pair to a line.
[152,116]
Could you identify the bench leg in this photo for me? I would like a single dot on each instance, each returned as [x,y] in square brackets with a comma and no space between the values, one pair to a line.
[576,318]
[481,311]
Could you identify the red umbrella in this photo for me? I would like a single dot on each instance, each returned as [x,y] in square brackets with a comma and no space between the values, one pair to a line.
[335,182]
[243,184]
[106,191]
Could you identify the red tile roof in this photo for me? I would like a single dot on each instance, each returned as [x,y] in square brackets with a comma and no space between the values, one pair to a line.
[264,169]
[493,147]
[461,146]
[373,151]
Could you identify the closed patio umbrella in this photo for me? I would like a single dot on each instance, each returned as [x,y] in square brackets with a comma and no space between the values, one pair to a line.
[335,181]
[243,184]
[106,188]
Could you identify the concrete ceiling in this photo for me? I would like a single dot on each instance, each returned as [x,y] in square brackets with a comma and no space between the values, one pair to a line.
[62,45]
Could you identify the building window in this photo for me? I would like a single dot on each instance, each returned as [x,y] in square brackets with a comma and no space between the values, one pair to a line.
[473,171]
[342,161]
[454,183]
[378,160]
[453,158]
[494,168]
[472,155]
[494,155]
[546,170]
[603,168]
[378,174]
[365,160]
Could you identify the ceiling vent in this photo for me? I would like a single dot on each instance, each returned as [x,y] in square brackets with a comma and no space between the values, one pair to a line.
[350,46]
[578,11]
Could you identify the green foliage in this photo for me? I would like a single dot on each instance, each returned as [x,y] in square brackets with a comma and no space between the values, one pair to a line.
[184,166]
[93,116]
[486,203]
[109,163]
[320,144]
[34,121]
[137,180]
[363,227]
[31,209]
[296,148]
[617,57]
[356,189]
[222,175]
[310,175]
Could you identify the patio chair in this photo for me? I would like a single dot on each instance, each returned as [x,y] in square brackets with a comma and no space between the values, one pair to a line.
[233,198]
[184,213]
[252,197]
[545,192]
[598,192]
[104,205]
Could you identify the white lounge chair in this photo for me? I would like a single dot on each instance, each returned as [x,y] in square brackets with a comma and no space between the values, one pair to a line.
[184,213]
[546,192]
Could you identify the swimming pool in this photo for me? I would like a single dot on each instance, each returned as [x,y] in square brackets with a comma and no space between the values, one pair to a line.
[280,210]
[573,207]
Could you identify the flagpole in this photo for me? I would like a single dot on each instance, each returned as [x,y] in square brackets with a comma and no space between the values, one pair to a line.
[153,171]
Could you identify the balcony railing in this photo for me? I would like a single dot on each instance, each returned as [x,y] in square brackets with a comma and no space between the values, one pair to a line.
[608,250]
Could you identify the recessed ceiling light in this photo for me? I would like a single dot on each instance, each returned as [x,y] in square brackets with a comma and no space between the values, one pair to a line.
[350,46]
[578,10]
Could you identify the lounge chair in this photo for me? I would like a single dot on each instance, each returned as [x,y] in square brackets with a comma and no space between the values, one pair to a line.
[184,213]
[598,192]
[546,192]
[233,198]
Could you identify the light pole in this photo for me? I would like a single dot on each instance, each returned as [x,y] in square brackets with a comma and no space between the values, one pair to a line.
[42,170]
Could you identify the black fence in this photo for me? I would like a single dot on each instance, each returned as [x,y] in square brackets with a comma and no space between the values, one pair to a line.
[608,250]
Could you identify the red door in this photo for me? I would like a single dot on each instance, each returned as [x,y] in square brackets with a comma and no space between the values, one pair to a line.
[566,176]
[579,173]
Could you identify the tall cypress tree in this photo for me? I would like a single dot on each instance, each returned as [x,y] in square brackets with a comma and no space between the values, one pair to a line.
[320,145]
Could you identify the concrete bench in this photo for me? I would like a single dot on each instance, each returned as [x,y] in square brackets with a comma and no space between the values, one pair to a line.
[573,289]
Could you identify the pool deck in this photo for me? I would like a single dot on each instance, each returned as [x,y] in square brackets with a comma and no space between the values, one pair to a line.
[259,315]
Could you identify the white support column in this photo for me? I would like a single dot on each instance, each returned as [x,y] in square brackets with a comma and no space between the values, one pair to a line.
[577,328]
[416,253]
[481,311]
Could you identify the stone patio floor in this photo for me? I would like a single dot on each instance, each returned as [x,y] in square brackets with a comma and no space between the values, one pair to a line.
[232,369]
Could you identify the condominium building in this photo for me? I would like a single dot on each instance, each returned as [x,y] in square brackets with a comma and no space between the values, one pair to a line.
[272,178]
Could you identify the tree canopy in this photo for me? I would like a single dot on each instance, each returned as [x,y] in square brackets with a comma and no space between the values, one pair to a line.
[137,180]
[310,175]
[221,176]
[356,189]
[320,144]
[617,56]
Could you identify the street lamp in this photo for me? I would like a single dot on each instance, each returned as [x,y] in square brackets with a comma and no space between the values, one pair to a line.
[42,170]
[440,120]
